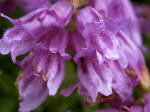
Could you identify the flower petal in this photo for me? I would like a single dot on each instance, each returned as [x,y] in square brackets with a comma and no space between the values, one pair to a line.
[32,91]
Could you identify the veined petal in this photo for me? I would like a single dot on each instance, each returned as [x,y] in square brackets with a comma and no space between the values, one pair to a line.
[119,77]
[30,28]
[32,91]
[84,16]
[87,82]
[22,47]
[79,46]
[56,41]
[55,75]
[136,109]
[97,81]
[146,108]
[147,98]
[135,62]
[115,9]
[17,41]
[97,33]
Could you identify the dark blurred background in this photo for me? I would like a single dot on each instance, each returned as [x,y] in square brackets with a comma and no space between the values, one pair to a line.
[8,73]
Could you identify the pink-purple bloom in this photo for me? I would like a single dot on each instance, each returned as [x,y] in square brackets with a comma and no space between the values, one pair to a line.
[42,34]
[146,107]
[106,43]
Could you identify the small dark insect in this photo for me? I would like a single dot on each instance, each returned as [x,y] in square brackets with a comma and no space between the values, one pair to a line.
[83,65]
[82,60]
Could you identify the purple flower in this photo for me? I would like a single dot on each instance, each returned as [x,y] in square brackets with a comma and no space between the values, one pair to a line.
[118,9]
[105,55]
[95,31]
[40,33]
[94,73]
[112,50]
[106,43]
[29,29]
[32,90]
[46,63]
[146,108]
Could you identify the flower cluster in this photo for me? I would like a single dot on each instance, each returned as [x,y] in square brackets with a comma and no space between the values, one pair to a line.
[105,40]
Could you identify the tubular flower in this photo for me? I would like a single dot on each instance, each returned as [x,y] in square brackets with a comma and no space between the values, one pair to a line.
[120,9]
[32,90]
[146,108]
[44,70]
[106,43]
[97,75]
[29,29]
[104,54]
[42,34]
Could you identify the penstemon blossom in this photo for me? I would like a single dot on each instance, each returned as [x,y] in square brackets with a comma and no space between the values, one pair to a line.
[146,108]
[41,33]
[107,47]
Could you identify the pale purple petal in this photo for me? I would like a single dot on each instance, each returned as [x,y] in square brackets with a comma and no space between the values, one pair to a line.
[57,42]
[21,47]
[68,91]
[32,91]
[115,9]
[55,74]
[84,16]
[95,31]
[147,108]
[32,27]
[121,82]
[136,109]
[147,98]
[135,62]
[87,81]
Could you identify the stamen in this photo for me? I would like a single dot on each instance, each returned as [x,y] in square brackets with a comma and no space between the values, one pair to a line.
[125,108]
[132,73]
[41,73]
[20,76]
[100,98]
[43,76]
[34,68]
[145,78]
